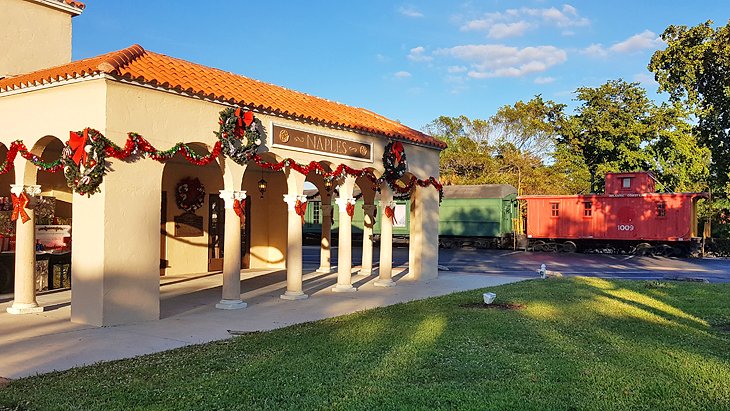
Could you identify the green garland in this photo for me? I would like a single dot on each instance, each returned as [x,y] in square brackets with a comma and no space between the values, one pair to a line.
[240,134]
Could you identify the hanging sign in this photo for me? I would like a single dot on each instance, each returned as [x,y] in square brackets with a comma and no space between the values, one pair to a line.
[308,142]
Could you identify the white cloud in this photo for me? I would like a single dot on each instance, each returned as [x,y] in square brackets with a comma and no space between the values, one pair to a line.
[519,20]
[410,11]
[401,74]
[646,79]
[544,80]
[456,69]
[418,54]
[504,30]
[646,40]
[496,60]
[595,50]
[638,42]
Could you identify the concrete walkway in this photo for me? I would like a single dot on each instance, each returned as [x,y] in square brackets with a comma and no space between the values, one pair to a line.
[40,343]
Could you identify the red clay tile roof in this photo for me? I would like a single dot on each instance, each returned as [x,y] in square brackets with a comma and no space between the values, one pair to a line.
[137,64]
[79,5]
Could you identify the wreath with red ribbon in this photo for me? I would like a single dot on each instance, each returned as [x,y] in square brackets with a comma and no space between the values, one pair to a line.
[189,194]
[240,134]
[394,161]
[389,212]
[83,159]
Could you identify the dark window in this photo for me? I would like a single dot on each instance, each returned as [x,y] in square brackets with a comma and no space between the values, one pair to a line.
[626,182]
[587,209]
[661,209]
[554,209]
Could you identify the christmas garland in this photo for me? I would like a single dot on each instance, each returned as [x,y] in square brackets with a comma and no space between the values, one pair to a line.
[83,159]
[240,134]
[189,194]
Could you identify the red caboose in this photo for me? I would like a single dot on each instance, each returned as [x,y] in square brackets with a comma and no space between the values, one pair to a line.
[629,216]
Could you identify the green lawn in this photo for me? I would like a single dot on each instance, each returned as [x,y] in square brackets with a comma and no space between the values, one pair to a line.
[577,344]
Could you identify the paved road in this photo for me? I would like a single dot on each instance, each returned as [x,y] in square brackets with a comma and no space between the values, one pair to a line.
[516,263]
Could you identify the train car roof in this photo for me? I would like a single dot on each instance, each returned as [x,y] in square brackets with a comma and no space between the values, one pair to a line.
[479,191]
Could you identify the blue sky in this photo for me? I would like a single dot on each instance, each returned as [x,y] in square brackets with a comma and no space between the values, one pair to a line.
[409,61]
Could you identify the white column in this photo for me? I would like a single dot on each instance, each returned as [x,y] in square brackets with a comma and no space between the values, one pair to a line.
[367,238]
[344,247]
[294,250]
[385,271]
[25,294]
[423,251]
[232,253]
[325,266]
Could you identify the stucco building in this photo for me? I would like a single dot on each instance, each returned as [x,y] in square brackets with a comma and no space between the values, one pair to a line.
[133,230]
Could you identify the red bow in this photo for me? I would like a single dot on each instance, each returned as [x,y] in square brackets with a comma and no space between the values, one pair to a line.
[390,213]
[397,150]
[78,145]
[350,208]
[301,208]
[19,205]
[243,118]
[238,206]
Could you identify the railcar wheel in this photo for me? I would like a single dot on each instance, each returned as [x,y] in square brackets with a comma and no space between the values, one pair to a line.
[663,250]
[447,243]
[569,247]
[642,249]
[538,245]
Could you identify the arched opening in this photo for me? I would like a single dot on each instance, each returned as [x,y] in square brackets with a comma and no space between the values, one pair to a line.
[318,219]
[266,215]
[190,216]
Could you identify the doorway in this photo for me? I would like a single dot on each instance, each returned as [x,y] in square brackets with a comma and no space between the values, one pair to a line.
[216,237]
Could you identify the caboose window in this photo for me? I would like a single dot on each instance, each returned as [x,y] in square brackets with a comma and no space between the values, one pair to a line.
[661,209]
[587,209]
[626,182]
[554,209]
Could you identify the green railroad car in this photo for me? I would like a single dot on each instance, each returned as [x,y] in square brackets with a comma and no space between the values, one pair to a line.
[475,215]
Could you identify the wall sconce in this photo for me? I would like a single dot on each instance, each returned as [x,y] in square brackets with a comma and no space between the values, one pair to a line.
[262,184]
[328,184]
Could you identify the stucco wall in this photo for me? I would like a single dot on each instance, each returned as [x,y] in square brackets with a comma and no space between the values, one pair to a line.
[33,36]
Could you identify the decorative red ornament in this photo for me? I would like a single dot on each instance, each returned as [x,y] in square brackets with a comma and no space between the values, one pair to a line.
[397,150]
[390,213]
[238,207]
[78,145]
[350,208]
[301,208]
[19,205]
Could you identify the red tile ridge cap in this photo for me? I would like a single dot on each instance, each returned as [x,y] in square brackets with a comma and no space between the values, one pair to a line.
[79,5]
[120,59]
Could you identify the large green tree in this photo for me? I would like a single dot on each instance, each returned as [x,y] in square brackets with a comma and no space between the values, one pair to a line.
[694,69]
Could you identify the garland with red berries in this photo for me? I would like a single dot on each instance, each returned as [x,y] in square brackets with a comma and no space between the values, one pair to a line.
[83,159]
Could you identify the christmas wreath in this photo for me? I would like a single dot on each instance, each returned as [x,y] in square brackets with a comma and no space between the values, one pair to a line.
[83,160]
[394,161]
[189,194]
[240,134]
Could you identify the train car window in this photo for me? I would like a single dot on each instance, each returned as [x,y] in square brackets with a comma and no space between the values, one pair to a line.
[316,212]
[587,209]
[661,209]
[626,182]
[554,209]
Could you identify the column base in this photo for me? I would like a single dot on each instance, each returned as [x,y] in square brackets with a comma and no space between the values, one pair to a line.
[340,288]
[384,283]
[365,272]
[325,270]
[294,295]
[231,305]
[19,308]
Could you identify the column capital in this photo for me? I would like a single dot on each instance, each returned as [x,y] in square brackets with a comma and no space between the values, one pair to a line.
[369,208]
[229,196]
[390,203]
[30,190]
[342,202]
[326,209]
[291,200]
